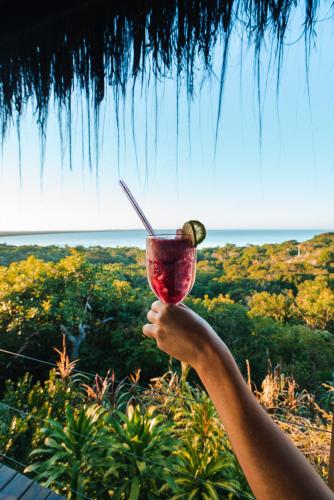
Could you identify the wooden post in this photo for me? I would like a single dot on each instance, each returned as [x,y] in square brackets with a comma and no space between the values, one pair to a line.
[331,459]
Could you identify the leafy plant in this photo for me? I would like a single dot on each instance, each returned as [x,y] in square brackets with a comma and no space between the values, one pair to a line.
[106,391]
[142,442]
[204,453]
[74,454]
[214,473]
[328,397]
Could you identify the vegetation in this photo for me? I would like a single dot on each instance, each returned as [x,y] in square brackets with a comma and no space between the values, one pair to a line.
[272,304]
[269,301]
[106,440]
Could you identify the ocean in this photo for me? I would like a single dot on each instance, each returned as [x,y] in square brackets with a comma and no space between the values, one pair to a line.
[136,237]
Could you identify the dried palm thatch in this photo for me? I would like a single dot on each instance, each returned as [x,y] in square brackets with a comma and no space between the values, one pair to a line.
[49,49]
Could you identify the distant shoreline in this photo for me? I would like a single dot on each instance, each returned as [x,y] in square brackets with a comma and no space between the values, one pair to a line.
[137,237]
[3,234]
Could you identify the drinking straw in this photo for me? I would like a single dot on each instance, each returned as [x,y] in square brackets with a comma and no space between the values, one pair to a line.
[137,208]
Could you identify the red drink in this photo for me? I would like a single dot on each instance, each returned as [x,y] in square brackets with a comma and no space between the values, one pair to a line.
[171,266]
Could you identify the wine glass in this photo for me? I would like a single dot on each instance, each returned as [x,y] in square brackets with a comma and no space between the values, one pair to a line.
[171,266]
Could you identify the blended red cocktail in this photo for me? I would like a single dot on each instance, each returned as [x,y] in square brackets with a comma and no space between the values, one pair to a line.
[171,266]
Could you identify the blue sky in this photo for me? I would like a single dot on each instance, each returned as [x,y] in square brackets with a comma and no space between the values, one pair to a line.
[289,185]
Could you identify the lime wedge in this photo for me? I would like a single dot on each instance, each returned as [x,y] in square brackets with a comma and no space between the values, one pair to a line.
[196,230]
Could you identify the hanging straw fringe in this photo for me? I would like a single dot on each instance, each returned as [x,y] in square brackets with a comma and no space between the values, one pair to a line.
[48,49]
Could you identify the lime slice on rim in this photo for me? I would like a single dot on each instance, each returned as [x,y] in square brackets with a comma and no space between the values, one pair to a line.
[196,230]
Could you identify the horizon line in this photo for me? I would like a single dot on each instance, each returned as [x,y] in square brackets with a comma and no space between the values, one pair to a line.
[4,234]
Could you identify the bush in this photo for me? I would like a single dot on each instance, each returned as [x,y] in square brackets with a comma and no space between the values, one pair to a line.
[304,353]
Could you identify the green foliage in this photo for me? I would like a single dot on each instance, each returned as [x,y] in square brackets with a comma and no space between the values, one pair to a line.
[275,306]
[25,403]
[75,454]
[147,451]
[315,303]
[215,472]
[141,440]
[141,452]
[300,351]
[230,321]
[39,400]
[205,452]
[266,302]
[99,297]
[327,398]
[40,300]
[92,445]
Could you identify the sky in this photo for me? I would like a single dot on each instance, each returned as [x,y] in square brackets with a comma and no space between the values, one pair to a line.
[286,183]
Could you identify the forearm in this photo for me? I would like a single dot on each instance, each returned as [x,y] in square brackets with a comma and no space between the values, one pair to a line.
[274,467]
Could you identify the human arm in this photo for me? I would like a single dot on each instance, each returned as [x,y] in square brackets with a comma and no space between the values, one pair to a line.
[274,467]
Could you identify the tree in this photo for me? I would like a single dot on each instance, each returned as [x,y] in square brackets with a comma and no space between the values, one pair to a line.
[315,303]
[272,305]
[300,351]
[326,257]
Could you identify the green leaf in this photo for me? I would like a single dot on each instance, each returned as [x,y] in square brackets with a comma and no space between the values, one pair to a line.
[141,466]
[135,488]
[193,493]
[213,495]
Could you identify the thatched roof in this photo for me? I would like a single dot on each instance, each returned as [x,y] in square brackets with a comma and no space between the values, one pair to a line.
[47,49]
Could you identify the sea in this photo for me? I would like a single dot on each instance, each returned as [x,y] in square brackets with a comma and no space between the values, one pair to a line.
[136,237]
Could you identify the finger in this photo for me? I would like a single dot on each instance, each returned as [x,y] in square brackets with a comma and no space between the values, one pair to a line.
[148,330]
[156,306]
[152,316]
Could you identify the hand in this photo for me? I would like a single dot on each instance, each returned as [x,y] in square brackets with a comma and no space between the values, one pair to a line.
[180,332]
